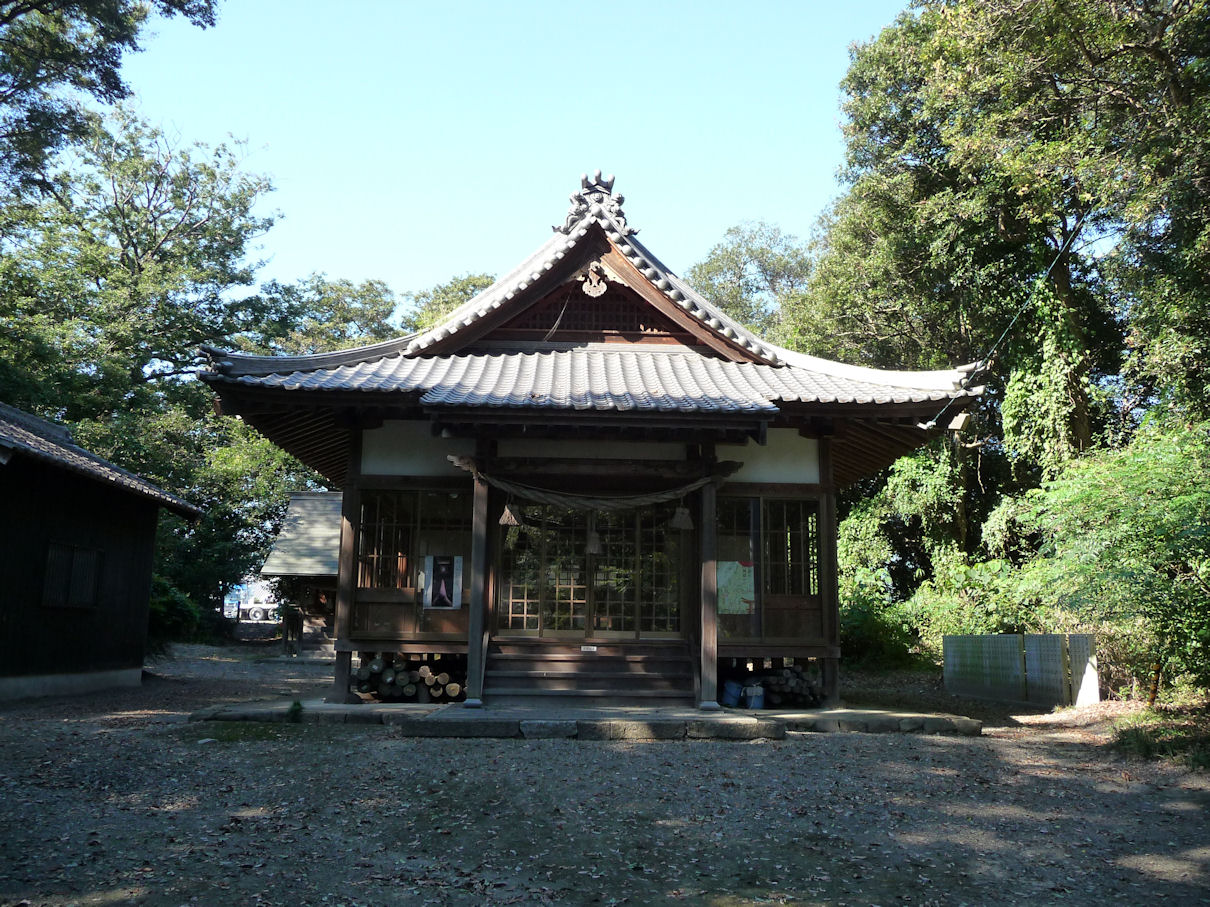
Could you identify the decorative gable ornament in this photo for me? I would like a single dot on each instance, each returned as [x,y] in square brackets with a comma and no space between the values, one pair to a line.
[593,281]
[596,198]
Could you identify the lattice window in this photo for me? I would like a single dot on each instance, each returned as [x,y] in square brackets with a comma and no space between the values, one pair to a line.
[768,569]
[615,574]
[388,520]
[659,554]
[566,574]
[397,529]
[633,581]
[791,548]
[522,572]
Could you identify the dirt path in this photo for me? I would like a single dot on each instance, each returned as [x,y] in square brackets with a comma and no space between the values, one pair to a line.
[115,798]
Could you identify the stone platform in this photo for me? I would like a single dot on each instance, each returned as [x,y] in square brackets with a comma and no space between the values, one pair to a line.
[604,723]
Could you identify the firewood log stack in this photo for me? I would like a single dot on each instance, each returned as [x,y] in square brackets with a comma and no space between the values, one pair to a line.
[795,685]
[392,677]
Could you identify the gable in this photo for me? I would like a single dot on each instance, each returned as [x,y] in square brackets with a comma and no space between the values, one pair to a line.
[615,314]
[591,293]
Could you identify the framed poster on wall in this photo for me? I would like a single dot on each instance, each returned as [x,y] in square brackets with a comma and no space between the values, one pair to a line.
[442,581]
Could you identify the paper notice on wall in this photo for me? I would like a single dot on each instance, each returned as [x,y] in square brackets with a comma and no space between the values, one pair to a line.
[736,587]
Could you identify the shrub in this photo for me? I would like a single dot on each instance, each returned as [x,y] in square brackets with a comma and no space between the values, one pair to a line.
[875,633]
[172,615]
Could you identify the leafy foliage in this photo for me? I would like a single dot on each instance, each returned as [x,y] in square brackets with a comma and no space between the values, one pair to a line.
[753,274]
[53,54]
[172,614]
[1128,534]
[427,308]
[116,279]
[317,314]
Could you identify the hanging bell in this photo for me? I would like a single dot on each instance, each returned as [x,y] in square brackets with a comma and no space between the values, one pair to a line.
[681,519]
[511,517]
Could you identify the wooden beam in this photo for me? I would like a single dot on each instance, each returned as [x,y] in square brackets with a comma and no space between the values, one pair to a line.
[346,577]
[475,649]
[708,533]
[828,579]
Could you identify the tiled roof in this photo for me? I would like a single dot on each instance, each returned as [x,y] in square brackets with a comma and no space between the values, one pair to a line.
[604,377]
[594,205]
[609,379]
[309,541]
[27,435]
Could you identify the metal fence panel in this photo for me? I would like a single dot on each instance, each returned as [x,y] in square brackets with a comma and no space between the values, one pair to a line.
[1046,669]
[1040,668]
[989,667]
[1085,683]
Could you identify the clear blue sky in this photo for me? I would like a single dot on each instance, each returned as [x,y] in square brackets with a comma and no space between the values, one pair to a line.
[416,141]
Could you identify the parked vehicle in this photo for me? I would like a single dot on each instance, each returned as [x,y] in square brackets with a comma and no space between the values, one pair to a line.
[251,600]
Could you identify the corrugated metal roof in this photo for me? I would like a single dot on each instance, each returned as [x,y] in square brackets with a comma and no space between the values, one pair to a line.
[309,541]
[650,379]
[30,436]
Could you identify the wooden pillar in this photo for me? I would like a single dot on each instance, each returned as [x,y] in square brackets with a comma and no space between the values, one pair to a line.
[828,573]
[346,577]
[478,603]
[709,542]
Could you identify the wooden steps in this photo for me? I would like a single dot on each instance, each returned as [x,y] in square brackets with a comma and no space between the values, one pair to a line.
[520,671]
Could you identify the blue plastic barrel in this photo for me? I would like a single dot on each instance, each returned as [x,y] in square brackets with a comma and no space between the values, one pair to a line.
[731,693]
[754,695]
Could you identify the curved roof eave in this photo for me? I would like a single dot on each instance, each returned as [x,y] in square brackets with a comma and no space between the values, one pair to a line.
[230,364]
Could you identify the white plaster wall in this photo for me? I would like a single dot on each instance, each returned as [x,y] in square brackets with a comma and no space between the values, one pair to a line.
[786,457]
[603,450]
[409,449]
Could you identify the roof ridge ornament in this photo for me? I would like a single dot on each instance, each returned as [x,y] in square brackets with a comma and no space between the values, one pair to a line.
[596,198]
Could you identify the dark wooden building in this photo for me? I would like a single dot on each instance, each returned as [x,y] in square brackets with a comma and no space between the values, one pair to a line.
[77,535]
[587,480]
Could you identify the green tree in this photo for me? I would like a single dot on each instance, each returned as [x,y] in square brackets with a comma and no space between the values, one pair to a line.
[318,314]
[752,273]
[1046,162]
[1127,535]
[53,55]
[132,262]
[138,255]
[425,308]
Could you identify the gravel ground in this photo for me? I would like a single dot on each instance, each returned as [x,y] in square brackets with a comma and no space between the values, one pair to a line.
[115,798]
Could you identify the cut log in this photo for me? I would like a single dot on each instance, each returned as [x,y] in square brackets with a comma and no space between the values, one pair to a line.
[443,678]
[452,689]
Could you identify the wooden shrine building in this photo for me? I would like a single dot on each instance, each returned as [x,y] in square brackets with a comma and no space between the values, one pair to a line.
[587,480]
[78,540]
